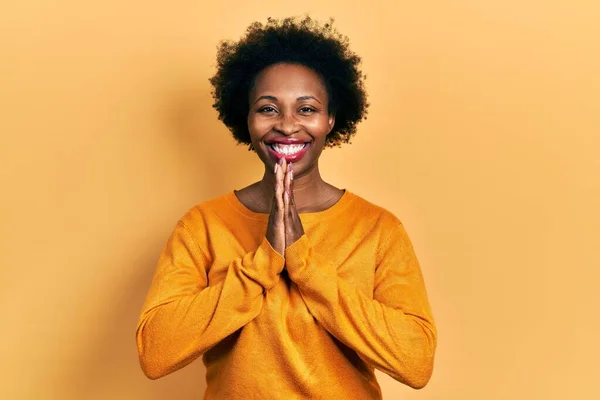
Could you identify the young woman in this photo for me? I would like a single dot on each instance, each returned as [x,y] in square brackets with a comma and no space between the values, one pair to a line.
[290,287]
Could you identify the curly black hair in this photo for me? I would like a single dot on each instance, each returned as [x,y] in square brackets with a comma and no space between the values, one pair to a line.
[301,41]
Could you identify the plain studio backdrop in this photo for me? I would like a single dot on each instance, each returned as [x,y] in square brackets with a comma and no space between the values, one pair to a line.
[482,137]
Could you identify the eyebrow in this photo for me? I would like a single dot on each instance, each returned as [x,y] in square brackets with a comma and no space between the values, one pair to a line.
[273,98]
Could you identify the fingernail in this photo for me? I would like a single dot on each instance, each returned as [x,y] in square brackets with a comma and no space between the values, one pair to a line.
[276,167]
[280,161]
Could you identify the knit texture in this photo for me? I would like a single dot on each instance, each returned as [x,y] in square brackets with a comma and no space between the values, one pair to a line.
[345,298]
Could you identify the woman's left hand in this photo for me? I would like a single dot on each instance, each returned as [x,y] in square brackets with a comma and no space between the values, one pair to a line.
[293,225]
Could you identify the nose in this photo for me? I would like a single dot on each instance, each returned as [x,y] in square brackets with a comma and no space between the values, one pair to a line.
[286,124]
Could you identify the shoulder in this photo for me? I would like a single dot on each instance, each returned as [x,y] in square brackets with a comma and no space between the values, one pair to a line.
[374,213]
[393,238]
[199,213]
[382,225]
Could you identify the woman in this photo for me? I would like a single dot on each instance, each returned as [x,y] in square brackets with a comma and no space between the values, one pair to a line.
[289,288]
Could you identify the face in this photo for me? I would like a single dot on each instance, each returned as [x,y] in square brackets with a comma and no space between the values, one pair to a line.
[289,116]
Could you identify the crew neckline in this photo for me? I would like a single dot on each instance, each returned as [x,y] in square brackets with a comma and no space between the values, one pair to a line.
[305,217]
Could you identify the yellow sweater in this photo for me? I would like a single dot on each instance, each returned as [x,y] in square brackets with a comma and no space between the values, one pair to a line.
[350,297]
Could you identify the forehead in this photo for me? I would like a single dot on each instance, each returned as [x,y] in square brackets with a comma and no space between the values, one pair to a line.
[288,79]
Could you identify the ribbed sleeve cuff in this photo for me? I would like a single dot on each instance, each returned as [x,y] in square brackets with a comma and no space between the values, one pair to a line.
[265,265]
[300,263]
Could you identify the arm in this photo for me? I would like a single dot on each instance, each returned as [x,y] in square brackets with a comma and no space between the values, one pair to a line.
[394,331]
[183,317]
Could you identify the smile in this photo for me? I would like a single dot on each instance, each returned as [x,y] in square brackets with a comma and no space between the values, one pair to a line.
[287,149]
[291,152]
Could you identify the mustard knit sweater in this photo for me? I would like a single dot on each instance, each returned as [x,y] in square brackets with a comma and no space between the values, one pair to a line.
[347,297]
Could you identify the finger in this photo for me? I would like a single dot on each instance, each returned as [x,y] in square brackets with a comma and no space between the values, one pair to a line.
[279,187]
[286,180]
[284,169]
[286,187]
[291,186]
[288,190]
[275,174]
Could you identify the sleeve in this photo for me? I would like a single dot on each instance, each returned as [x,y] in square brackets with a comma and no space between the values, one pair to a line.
[183,317]
[394,331]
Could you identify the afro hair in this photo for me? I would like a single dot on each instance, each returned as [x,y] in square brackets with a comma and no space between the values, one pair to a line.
[290,40]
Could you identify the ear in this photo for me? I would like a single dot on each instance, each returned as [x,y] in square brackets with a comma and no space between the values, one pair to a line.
[331,121]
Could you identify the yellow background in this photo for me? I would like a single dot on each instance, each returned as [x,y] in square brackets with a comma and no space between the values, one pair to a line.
[482,136]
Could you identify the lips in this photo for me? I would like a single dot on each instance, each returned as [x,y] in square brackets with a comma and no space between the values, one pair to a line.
[286,140]
[291,149]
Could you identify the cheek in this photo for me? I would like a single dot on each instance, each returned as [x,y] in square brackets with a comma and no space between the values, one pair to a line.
[258,127]
[319,127]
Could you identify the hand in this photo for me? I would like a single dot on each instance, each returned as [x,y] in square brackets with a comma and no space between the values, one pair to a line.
[276,227]
[293,225]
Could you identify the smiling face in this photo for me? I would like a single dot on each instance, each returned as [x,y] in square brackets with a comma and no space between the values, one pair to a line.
[288,116]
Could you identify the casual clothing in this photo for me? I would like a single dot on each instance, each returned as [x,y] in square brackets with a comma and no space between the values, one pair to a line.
[347,297]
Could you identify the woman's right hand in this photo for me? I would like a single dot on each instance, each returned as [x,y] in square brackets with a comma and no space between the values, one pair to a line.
[276,227]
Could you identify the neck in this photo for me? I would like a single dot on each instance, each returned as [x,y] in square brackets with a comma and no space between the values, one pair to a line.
[309,187]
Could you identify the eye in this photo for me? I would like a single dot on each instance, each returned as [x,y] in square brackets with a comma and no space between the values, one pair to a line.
[307,110]
[266,109]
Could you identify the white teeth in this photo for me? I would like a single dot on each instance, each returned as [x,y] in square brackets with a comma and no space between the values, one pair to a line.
[287,149]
